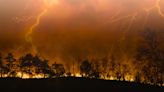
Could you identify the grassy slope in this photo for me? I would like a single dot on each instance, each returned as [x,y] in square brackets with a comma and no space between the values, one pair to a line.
[74,85]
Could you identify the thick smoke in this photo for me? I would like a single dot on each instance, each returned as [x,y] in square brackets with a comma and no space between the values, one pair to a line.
[77,28]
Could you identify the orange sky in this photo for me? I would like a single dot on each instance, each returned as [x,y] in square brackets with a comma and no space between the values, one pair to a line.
[73,28]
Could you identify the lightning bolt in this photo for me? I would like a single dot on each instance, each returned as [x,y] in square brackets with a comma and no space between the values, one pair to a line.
[159,8]
[120,18]
[132,18]
[155,6]
[113,19]
[29,33]
[147,10]
[131,21]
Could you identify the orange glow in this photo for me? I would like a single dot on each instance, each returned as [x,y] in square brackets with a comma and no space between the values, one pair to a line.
[111,78]
[25,76]
[69,31]
[129,78]
[49,3]
[28,36]
[77,75]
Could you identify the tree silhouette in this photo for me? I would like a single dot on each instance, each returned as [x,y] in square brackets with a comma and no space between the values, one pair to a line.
[37,65]
[45,68]
[10,64]
[85,68]
[26,63]
[5,71]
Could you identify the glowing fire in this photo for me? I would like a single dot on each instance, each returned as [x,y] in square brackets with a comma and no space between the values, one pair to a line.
[129,78]
[110,78]
[27,76]
[78,75]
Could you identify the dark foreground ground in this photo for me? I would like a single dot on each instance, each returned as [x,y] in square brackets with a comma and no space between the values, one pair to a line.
[73,85]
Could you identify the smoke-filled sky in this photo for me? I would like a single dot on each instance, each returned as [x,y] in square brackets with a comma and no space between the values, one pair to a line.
[71,28]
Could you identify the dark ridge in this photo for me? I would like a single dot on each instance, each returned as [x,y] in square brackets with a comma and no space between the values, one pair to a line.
[72,84]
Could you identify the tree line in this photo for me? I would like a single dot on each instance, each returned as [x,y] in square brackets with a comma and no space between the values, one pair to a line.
[148,63]
[29,64]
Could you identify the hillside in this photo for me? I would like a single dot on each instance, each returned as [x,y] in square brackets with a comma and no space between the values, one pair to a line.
[73,85]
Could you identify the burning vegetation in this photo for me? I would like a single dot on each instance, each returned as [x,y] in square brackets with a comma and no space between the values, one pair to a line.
[145,67]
